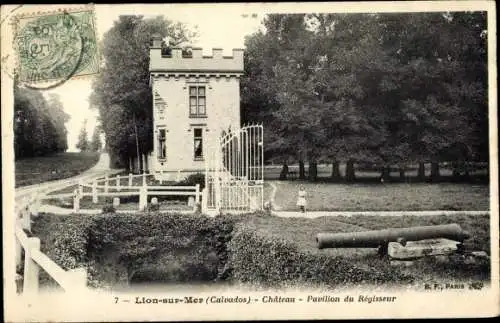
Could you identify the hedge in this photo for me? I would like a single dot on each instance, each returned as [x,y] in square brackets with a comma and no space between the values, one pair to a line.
[192,247]
[115,246]
[263,260]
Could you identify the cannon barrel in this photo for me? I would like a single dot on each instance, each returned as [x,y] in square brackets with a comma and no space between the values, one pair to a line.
[376,238]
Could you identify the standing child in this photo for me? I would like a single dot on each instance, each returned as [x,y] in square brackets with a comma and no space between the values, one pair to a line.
[301,201]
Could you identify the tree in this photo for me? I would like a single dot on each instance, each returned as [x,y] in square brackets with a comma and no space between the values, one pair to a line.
[391,89]
[440,84]
[95,142]
[59,118]
[123,95]
[83,141]
[39,126]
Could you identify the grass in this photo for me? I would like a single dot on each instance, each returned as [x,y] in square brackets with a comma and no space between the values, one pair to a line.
[302,231]
[36,170]
[384,197]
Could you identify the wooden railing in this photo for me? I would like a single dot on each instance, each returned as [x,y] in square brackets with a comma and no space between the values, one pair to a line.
[34,260]
[102,187]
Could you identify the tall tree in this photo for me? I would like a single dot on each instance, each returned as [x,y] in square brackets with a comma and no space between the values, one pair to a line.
[122,95]
[39,126]
[95,141]
[391,89]
[59,118]
[83,140]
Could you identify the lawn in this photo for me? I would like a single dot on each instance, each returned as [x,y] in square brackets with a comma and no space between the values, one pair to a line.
[36,170]
[383,197]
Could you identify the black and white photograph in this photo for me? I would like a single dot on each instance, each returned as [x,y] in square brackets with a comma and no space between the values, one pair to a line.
[249,161]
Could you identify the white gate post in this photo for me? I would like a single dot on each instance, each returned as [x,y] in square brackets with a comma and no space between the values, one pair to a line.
[76,201]
[143,198]
[143,179]
[35,205]
[95,197]
[129,179]
[197,197]
[31,270]
[106,183]
[204,200]
[118,183]
[26,217]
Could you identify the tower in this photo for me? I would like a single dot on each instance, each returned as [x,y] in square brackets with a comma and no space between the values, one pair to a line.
[194,98]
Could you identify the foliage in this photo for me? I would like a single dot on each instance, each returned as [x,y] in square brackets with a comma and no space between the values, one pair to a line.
[108,209]
[39,125]
[256,248]
[123,96]
[83,140]
[153,207]
[66,239]
[95,142]
[193,179]
[195,243]
[386,88]
[271,261]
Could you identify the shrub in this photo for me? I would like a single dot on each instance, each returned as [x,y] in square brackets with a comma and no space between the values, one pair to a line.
[65,242]
[187,247]
[193,179]
[264,260]
[108,209]
[153,207]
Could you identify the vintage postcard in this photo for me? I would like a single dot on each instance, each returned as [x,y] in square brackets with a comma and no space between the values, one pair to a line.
[263,161]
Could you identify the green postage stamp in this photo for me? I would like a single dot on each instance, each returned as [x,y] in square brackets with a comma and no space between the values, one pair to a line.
[53,47]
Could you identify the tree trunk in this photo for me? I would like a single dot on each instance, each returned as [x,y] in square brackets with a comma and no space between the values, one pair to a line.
[385,174]
[456,170]
[402,175]
[335,170]
[467,170]
[302,171]
[435,171]
[313,171]
[421,171]
[284,172]
[350,174]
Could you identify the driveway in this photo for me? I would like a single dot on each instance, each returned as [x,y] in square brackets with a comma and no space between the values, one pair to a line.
[99,170]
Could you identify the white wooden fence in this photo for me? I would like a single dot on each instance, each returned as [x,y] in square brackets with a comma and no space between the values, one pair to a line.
[113,187]
[76,279]
[71,281]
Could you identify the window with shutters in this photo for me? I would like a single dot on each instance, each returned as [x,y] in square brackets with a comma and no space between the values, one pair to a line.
[197,101]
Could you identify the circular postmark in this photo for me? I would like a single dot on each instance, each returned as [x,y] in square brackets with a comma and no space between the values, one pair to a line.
[49,50]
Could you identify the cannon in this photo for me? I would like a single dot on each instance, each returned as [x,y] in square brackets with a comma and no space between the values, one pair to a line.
[381,238]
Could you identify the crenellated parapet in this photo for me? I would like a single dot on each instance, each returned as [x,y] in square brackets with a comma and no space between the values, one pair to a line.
[177,64]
